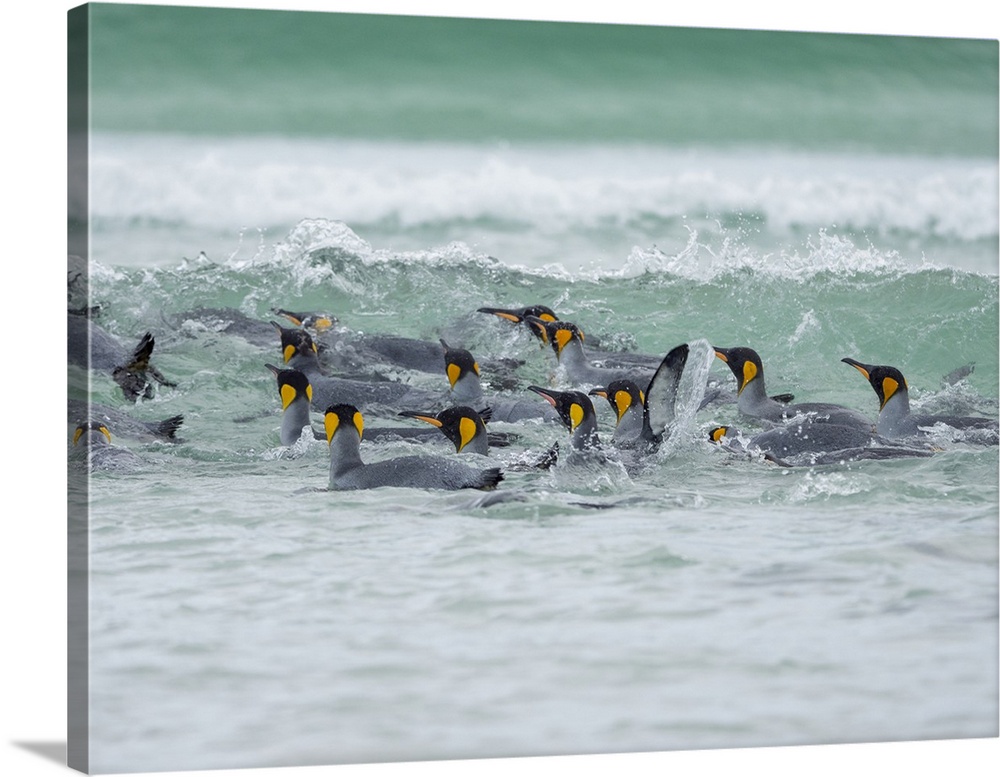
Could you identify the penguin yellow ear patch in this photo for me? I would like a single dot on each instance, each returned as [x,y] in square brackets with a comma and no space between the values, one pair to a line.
[454,372]
[547,317]
[475,367]
[359,424]
[466,431]
[77,434]
[889,387]
[104,430]
[309,393]
[623,401]
[718,433]
[749,373]
[562,337]
[288,353]
[330,422]
[288,394]
[575,415]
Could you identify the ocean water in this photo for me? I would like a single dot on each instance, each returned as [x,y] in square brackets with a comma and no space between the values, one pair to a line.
[813,197]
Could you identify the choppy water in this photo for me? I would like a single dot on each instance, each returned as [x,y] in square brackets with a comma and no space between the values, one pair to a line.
[239,618]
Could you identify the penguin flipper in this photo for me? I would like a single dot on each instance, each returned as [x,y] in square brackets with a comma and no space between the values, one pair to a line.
[140,356]
[167,428]
[488,479]
[659,408]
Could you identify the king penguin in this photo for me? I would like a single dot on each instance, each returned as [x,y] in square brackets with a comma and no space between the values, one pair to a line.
[576,412]
[894,417]
[317,322]
[95,438]
[380,396]
[295,392]
[518,315]
[627,401]
[463,374]
[120,424]
[808,444]
[462,425]
[752,398]
[567,340]
[344,430]
[91,346]
[645,418]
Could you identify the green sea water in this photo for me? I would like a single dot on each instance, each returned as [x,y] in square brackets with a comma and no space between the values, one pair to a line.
[206,70]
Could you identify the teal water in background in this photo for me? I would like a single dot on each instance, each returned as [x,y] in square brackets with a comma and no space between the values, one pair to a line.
[812,196]
[383,77]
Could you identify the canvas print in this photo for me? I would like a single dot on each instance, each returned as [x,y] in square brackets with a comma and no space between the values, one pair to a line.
[453,388]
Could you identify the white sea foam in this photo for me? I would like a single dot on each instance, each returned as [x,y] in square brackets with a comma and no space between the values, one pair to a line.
[570,200]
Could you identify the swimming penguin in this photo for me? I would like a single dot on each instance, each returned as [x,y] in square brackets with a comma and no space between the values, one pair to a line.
[894,417]
[807,443]
[95,438]
[460,424]
[627,400]
[314,321]
[517,315]
[644,418]
[386,397]
[576,412]
[121,425]
[340,348]
[567,341]
[752,398]
[91,346]
[295,392]
[296,399]
[344,430]
[463,374]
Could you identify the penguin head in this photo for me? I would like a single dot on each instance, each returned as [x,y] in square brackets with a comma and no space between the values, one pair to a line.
[295,341]
[292,385]
[517,315]
[91,426]
[887,381]
[745,364]
[343,418]
[558,334]
[459,424]
[458,363]
[621,395]
[317,321]
[573,407]
[720,433]
[538,311]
